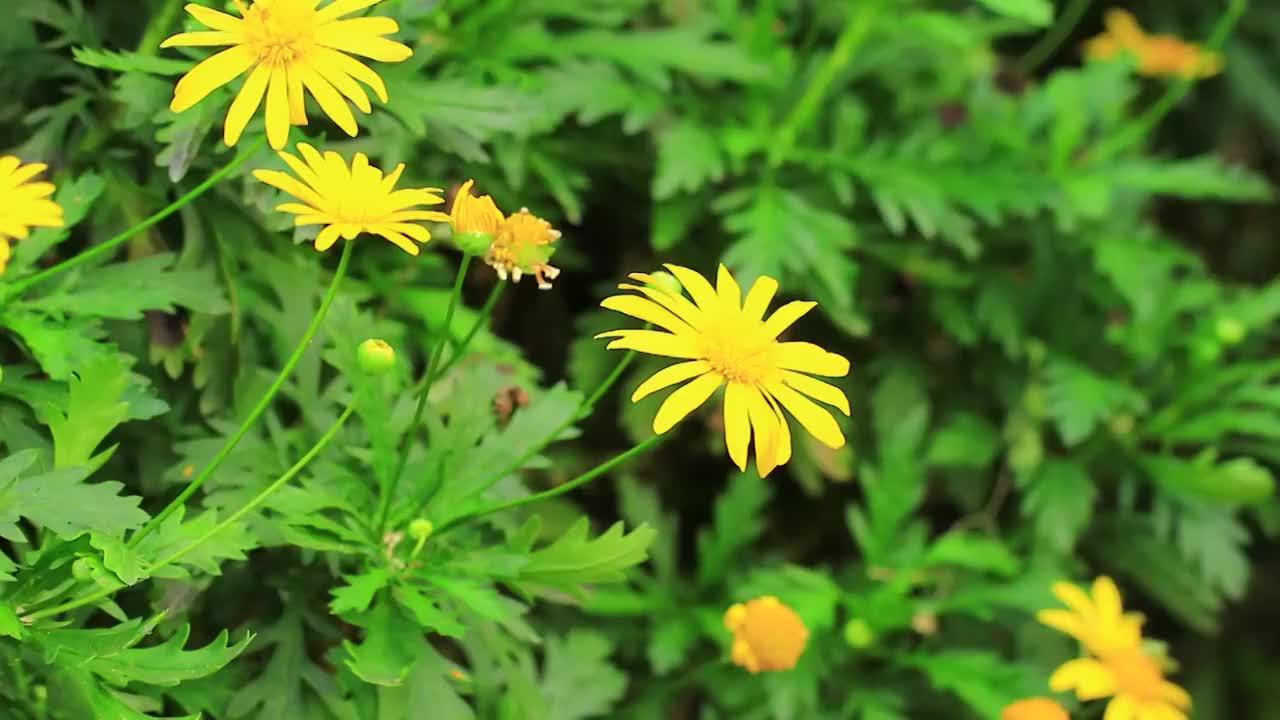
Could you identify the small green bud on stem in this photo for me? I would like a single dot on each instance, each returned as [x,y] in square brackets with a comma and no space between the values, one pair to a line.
[376,356]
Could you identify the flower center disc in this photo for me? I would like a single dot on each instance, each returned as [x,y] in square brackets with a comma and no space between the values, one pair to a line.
[278,32]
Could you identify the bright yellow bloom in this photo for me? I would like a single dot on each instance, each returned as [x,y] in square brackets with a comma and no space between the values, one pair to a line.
[1131,678]
[523,244]
[1098,622]
[1036,708]
[726,341]
[471,214]
[349,201]
[1157,55]
[23,204]
[287,46]
[767,635]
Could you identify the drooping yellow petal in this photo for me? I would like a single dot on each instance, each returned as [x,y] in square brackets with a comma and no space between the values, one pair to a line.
[245,104]
[809,358]
[329,98]
[812,417]
[685,400]
[215,19]
[1122,708]
[278,109]
[669,376]
[338,37]
[818,390]
[1089,678]
[766,431]
[1174,694]
[737,422]
[646,310]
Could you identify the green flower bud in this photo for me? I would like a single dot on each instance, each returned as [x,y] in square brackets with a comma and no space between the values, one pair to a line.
[421,529]
[473,243]
[82,569]
[1121,425]
[663,280]
[858,633]
[1230,330]
[375,356]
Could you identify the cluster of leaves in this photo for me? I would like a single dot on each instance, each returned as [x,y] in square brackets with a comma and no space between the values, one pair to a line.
[1048,383]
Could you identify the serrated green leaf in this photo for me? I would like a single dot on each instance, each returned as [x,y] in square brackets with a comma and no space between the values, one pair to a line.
[985,681]
[1059,496]
[358,593]
[125,62]
[94,407]
[965,440]
[60,501]
[167,663]
[125,290]
[688,158]
[736,522]
[1079,398]
[578,680]
[382,657]
[575,558]
[972,551]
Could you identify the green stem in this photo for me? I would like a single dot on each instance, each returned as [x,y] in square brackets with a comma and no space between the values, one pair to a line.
[561,489]
[263,402]
[113,243]
[1140,126]
[1052,40]
[590,402]
[855,31]
[173,557]
[429,376]
[158,26]
[481,321]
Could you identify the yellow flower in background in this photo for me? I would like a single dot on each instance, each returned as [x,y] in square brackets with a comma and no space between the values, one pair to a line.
[23,204]
[767,635]
[353,200]
[522,245]
[725,340]
[1098,621]
[1036,708]
[286,47]
[1131,678]
[1157,55]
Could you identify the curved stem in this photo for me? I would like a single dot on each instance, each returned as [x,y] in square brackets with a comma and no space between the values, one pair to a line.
[590,402]
[263,402]
[485,311]
[561,489]
[115,242]
[1052,40]
[173,557]
[429,376]
[1140,126]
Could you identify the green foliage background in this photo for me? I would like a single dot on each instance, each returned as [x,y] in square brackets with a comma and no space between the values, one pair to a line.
[1058,300]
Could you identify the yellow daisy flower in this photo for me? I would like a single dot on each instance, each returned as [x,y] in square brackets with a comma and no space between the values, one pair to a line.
[353,200]
[767,635]
[1132,679]
[1098,621]
[287,46]
[725,340]
[26,203]
[1157,55]
[523,244]
[1036,708]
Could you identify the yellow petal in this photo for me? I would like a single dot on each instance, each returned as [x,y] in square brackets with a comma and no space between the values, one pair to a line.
[809,358]
[647,310]
[1175,694]
[704,296]
[329,98]
[818,390]
[1073,597]
[327,237]
[1063,621]
[677,304]
[670,375]
[766,431]
[209,75]
[1121,708]
[349,88]
[278,108]
[291,185]
[329,62]
[653,342]
[685,400]
[204,38]
[297,102]
[759,297]
[727,289]
[785,316]
[1106,599]
[245,104]
[1089,679]
[737,423]
[338,37]
[812,417]
[1123,26]
[338,8]
[215,19]
[399,239]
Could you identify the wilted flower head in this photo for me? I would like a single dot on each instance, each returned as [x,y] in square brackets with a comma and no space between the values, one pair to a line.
[288,47]
[352,200]
[523,246]
[475,220]
[1157,55]
[725,340]
[767,635]
[23,204]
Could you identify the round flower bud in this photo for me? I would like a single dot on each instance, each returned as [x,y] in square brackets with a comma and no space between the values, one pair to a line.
[473,243]
[375,356]
[421,529]
[82,569]
[1230,330]
[858,633]
[663,280]
[767,635]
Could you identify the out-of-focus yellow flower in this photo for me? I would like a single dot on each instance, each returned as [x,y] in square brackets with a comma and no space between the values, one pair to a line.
[1036,708]
[767,635]
[472,214]
[1157,55]
[1131,678]
[725,340]
[288,47]
[352,200]
[23,204]
[1118,666]
[1098,621]
[522,246]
